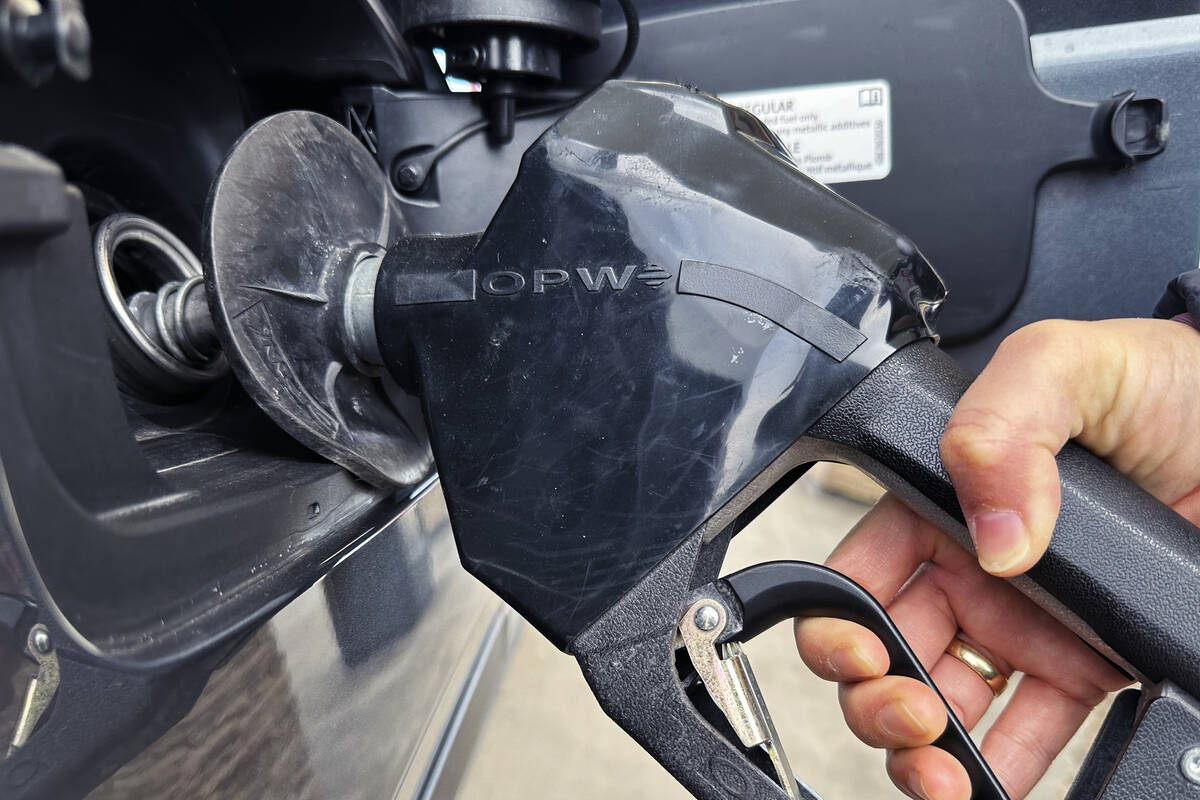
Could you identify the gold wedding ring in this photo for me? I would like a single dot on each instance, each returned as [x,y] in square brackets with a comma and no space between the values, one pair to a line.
[978,662]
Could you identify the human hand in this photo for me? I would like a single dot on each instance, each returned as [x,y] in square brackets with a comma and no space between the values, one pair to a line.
[1122,388]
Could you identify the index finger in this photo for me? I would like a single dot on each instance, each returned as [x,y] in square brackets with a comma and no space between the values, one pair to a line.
[880,553]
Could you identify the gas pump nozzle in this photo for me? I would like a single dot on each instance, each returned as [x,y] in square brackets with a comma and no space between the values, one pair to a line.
[664,324]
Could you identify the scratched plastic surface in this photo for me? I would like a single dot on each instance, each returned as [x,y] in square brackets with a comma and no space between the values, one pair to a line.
[662,304]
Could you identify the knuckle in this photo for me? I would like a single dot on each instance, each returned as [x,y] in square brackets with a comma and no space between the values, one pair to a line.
[1005,773]
[1043,336]
[861,703]
[1084,693]
[970,442]
[957,708]
[940,602]
[814,648]
[1026,742]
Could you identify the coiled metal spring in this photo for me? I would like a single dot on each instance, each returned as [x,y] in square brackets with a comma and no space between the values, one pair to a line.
[164,343]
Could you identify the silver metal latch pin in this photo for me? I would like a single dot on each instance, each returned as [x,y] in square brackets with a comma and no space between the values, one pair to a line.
[727,676]
[42,686]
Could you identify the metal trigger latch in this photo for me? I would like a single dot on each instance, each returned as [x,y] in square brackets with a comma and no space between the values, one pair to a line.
[726,674]
[42,687]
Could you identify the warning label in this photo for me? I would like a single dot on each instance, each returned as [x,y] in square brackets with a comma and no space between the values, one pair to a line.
[836,132]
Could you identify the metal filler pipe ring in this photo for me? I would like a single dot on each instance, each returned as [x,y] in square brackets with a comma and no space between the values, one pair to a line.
[154,344]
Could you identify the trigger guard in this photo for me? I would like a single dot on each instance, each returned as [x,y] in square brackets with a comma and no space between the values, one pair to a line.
[775,591]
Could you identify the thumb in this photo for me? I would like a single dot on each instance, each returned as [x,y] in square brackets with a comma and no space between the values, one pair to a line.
[1044,385]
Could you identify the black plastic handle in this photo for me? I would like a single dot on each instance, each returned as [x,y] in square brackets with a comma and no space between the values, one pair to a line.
[1122,569]
[779,590]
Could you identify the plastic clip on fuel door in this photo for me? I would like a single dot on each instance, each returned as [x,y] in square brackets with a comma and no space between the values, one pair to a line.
[665,323]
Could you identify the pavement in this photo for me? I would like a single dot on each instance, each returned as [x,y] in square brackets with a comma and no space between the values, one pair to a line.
[546,737]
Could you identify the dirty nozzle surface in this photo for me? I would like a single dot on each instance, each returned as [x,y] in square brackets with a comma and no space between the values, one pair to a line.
[298,218]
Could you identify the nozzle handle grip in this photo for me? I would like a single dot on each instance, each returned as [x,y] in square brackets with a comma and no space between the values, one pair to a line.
[1122,569]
